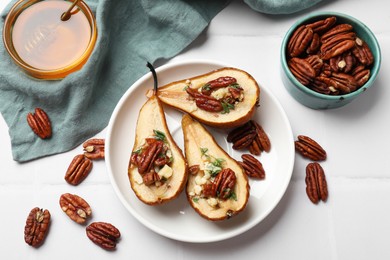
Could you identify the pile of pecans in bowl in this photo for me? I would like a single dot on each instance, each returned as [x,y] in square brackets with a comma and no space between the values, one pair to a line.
[328,57]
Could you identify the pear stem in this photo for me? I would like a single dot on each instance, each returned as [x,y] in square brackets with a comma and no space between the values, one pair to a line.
[150,66]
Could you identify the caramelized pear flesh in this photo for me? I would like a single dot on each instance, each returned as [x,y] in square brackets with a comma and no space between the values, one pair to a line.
[234,113]
[152,129]
[206,160]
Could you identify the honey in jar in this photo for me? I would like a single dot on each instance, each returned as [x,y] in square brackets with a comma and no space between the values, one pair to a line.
[46,46]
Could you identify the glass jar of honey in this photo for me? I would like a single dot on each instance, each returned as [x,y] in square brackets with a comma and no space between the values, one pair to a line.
[43,44]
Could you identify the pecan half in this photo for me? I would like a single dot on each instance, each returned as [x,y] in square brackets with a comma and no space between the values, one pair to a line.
[238,132]
[252,167]
[220,82]
[363,53]
[145,160]
[314,44]
[205,102]
[316,185]
[302,70]
[322,25]
[75,207]
[245,140]
[250,135]
[336,30]
[103,234]
[224,183]
[222,186]
[261,137]
[309,148]
[37,227]
[343,63]
[299,41]
[78,169]
[337,45]
[39,123]
[361,75]
[94,148]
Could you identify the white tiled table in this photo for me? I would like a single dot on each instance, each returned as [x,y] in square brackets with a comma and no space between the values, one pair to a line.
[353,224]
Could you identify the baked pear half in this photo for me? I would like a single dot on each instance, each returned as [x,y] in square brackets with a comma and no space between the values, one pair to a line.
[226,97]
[217,186]
[157,169]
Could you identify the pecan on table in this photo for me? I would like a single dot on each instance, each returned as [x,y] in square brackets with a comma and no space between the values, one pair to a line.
[37,227]
[316,185]
[40,123]
[309,148]
[94,148]
[78,169]
[252,167]
[75,207]
[103,234]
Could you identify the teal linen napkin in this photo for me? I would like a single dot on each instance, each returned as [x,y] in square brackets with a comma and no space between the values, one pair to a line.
[130,33]
[280,6]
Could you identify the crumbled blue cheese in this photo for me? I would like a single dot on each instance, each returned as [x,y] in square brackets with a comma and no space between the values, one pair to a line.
[220,93]
[213,202]
[165,172]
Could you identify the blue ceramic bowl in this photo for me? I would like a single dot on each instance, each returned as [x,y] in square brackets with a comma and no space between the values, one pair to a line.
[316,100]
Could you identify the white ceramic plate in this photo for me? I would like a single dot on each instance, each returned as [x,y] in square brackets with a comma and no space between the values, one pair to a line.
[177,220]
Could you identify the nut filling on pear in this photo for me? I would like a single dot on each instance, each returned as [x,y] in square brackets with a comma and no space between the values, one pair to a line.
[217,186]
[153,159]
[226,97]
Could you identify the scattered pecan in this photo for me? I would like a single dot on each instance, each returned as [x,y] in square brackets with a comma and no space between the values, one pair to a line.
[78,169]
[309,148]
[94,148]
[245,141]
[250,135]
[261,137]
[103,234]
[252,167]
[37,226]
[39,123]
[316,186]
[75,207]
